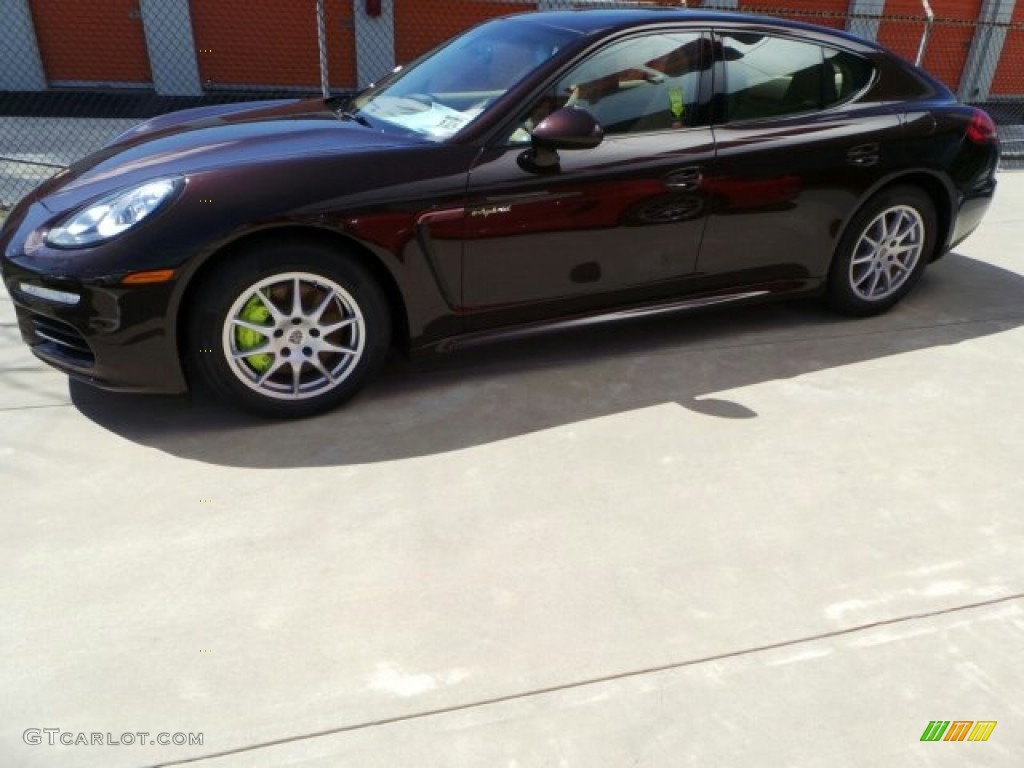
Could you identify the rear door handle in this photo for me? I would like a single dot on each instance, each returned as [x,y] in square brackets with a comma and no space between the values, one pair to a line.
[863,155]
[684,179]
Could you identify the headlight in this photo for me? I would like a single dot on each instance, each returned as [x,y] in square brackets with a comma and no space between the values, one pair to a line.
[111,215]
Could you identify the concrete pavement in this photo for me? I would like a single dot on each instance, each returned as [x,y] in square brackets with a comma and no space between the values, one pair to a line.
[763,537]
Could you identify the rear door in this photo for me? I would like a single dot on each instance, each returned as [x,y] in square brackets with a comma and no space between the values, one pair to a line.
[796,151]
[616,224]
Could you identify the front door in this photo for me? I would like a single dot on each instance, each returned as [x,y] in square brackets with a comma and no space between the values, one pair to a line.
[620,223]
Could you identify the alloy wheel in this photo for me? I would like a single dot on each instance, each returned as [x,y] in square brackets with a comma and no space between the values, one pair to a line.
[293,336]
[887,252]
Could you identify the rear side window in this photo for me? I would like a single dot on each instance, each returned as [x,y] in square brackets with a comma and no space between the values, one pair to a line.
[769,76]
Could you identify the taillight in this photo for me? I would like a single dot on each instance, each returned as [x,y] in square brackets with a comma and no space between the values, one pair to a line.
[981,129]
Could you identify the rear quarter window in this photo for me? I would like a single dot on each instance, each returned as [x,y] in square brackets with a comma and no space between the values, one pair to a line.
[847,74]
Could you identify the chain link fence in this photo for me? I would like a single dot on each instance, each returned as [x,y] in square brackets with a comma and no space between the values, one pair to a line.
[74,75]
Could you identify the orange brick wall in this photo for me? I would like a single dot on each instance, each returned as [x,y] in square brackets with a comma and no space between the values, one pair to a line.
[1009,79]
[91,40]
[421,25]
[271,42]
[829,12]
[949,43]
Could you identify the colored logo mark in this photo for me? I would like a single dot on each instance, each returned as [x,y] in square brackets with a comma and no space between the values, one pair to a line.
[958,730]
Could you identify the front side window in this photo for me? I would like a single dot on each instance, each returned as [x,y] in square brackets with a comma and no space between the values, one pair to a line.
[643,84]
[770,76]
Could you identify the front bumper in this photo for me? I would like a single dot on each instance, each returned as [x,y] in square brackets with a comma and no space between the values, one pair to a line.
[104,340]
[90,327]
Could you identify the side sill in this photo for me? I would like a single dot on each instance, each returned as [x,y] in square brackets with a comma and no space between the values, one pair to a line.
[749,293]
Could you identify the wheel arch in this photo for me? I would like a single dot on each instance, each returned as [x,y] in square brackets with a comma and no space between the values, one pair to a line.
[292,233]
[938,189]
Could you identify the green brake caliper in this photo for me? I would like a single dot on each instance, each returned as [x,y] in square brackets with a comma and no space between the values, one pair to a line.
[255,312]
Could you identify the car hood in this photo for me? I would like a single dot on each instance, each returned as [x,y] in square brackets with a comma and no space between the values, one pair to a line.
[201,139]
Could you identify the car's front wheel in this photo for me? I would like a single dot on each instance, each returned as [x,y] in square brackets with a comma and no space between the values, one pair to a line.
[288,330]
[884,251]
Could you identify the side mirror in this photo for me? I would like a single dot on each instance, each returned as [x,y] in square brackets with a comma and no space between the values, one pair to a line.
[569,128]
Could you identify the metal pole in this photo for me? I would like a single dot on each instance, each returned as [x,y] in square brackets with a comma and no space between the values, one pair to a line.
[929,20]
[321,26]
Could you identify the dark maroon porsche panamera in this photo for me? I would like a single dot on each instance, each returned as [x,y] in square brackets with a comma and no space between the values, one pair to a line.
[539,171]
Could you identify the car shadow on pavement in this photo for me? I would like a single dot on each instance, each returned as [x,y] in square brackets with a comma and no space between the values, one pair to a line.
[510,389]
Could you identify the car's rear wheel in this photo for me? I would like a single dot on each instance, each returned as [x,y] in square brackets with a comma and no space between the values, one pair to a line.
[884,251]
[289,330]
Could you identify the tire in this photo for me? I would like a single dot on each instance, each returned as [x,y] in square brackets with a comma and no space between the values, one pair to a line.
[256,348]
[884,252]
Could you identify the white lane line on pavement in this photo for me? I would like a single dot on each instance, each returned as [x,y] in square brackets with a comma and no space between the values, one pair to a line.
[7,409]
[596,680]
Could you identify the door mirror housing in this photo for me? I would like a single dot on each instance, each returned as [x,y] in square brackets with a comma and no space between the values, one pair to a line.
[569,128]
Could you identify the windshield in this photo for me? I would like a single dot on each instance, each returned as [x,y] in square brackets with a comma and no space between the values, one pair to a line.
[443,92]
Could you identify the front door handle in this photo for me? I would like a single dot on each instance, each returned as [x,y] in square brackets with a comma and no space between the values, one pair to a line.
[686,179]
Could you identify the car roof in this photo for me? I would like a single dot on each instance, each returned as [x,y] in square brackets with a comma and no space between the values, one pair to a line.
[590,21]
